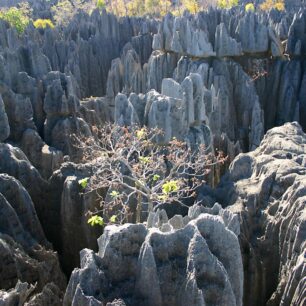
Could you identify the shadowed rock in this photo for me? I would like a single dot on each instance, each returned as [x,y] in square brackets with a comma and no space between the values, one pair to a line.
[198,264]
[25,253]
[267,189]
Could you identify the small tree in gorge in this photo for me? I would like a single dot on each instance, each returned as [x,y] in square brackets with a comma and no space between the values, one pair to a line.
[134,167]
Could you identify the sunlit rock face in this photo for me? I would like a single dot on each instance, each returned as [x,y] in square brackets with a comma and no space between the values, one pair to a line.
[182,261]
[267,188]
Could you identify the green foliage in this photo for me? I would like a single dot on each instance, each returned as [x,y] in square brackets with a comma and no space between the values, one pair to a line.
[192,6]
[114,194]
[156,177]
[113,219]
[249,7]
[43,23]
[227,4]
[17,18]
[144,159]
[170,187]
[83,182]
[95,220]
[101,4]
[141,134]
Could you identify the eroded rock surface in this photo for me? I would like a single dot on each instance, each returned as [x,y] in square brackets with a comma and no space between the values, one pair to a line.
[267,189]
[220,78]
[26,255]
[169,263]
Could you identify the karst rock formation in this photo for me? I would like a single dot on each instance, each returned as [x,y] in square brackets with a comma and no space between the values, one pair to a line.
[232,80]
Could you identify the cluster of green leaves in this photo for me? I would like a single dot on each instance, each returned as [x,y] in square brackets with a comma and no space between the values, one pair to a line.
[227,4]
[249,7]
[193,6]
[20,17]
[83,183]
[171,186]
[114,194]
[98,220]
[101,4]
[43,23]
[17,18]
[95,220]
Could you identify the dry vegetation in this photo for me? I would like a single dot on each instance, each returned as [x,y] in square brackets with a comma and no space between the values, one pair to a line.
[136,168]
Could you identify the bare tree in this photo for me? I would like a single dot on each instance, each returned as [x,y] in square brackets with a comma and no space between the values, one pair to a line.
[135,167]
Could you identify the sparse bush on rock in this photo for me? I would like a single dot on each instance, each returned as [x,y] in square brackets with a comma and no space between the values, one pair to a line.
[43,23]
[249,7]
[273,4]
[227,4]
[16,18]
[136,168]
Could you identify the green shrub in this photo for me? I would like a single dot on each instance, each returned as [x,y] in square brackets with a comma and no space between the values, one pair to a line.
[83,183]
[193,6]
[227,4]
[17,18]
[43,23]
[95,220]
[249,7]
[101,4]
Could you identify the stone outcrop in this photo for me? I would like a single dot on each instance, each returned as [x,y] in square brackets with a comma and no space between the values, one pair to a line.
[4,124]
[69,205]
[43,157]
[198,264]
[224,44]
[201,105]
[267,189]
[220,78]
[25,253]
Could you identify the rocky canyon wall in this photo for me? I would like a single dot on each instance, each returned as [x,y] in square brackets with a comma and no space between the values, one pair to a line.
[219,78]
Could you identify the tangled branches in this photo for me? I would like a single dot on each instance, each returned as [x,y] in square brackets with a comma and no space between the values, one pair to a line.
[139,173]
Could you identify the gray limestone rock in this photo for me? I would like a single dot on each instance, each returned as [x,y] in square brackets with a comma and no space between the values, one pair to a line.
[125,114]
[276,45]
[14,163]
[17,295]
[172,89]
[126,74]
[167,114]
[19,112]
[161,65]
[45,158]
[69,205]
[20,202]
[266,188]
[253,34]
[203,98]
[117,302]
[4,124]
[224,44]
[193,263]
[296,44]
[96,111]
[25,253]
[182,36]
